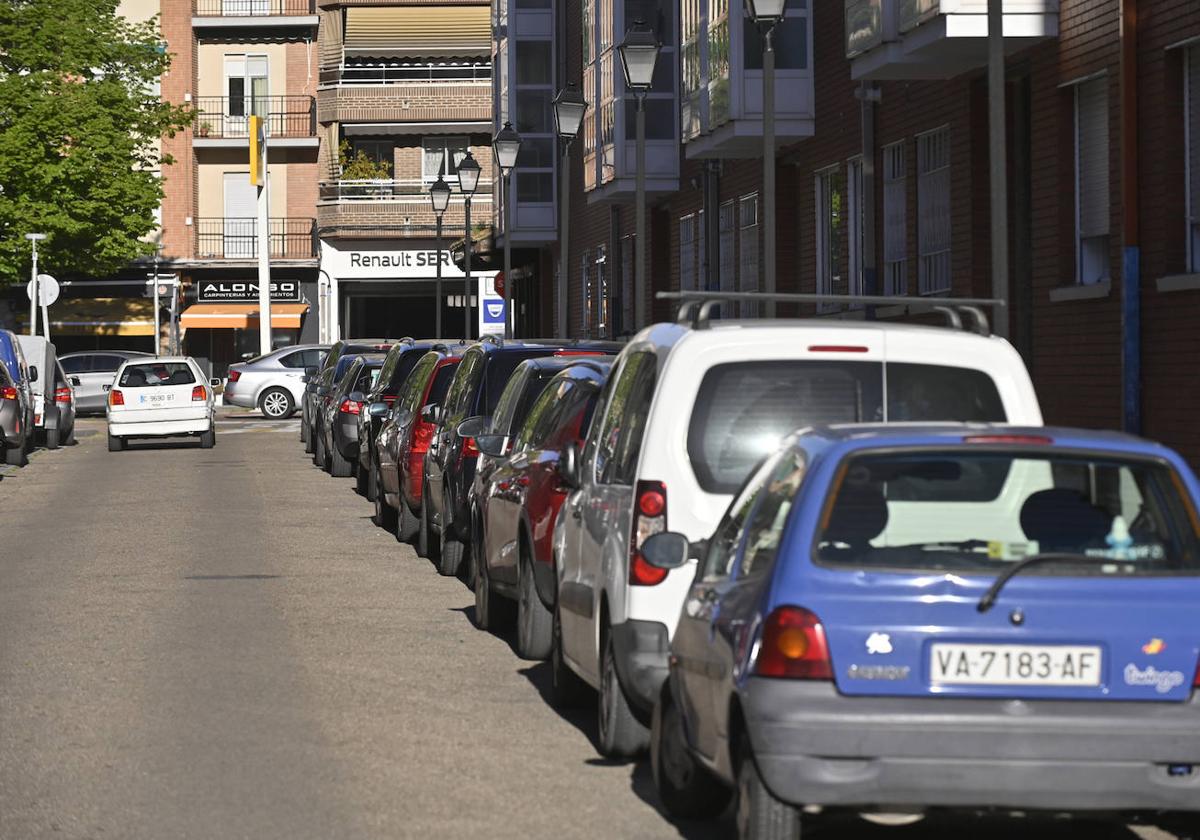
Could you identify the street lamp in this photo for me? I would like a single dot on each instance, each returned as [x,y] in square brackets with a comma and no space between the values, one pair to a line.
[439,195]
[34,239]
[639,55]
[767,14]
[569,109]
[468,180]
[506,144]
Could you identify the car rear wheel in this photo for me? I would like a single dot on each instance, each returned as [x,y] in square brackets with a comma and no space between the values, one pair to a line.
[115,444]
[409,522]
[318,455]
[687,788]
[52,438]
[621,734]
[567,690]
[276,403]
[760,816]
[492,612]
[533,619]
[70,438]
[385,514]
[426,547]
[364,479]
[339,465]
[209,439]
[452,552]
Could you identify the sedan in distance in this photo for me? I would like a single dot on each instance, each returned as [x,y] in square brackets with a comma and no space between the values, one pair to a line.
[274,383]
[95,369]
[164,397]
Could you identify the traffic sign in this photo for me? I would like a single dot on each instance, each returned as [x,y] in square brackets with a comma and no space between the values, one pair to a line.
[47,289]
[498,282]
[258,150]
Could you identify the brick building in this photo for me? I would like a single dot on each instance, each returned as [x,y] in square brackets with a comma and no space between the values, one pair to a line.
[1103,174]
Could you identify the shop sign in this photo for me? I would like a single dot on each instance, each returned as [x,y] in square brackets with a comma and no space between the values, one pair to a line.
[246,291]
[377,264]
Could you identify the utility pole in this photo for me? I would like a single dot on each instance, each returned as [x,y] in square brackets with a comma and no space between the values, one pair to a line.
[258,177]
[998,157]
[34,239]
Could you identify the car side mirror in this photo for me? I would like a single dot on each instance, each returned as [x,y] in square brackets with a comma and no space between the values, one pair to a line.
[495,446]
[33,373]
[322,390]
[357,396]
[431,414]
[668,550]
[75,381]
[378,410]
[474,427]
[311,370]
[402,416]
[568,465]
[215,382]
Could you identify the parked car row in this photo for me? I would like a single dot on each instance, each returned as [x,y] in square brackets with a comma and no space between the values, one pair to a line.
[809,566]
[37,397]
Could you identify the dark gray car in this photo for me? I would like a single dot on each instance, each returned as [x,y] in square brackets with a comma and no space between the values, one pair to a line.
[14,430]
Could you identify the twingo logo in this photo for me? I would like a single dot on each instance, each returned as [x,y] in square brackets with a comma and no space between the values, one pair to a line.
[1160,681]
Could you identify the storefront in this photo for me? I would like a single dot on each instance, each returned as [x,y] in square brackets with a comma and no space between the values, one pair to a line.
[98,323]
[374,290]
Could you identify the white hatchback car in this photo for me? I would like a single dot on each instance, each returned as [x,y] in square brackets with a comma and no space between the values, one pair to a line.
[687,413]
[163,397]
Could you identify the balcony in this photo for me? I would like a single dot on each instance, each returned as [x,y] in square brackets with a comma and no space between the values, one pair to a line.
[936,39]
[233,15]
[374,209]
[396,93]
[223,122]
[230,240]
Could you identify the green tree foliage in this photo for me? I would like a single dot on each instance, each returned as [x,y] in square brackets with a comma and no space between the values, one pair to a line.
[79,119]
[356,165]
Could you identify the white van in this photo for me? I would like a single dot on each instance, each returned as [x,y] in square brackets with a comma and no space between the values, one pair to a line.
[688,411]
[41,358]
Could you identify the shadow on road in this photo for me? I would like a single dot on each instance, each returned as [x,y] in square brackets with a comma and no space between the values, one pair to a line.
[149,445]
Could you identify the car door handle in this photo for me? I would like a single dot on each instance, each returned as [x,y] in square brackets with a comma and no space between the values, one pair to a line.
[576,513]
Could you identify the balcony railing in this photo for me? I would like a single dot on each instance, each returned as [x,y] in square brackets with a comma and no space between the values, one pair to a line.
[385,190]
[237,238]
[400,73]
[227,118]
[252,8]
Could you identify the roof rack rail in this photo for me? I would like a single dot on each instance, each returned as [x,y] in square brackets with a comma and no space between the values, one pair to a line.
[408,339]
[493,338]
[695,308]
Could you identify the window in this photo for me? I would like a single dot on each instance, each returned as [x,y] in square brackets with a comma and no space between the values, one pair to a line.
[933,211]
[620,441]
[76,364]
[628,251]
[1191,94]
[831,198]
[748,250]
[585,288]
[687,253]
[765,528]
[441,156]
[895,220]
[293,360]
[1091,182]
[535,63]
[156,374]
[535,187]
[247,86]
[600,295]
[854,224]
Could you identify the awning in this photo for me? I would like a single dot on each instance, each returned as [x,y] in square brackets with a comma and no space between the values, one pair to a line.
[240,316]
[98,316]
[419,31]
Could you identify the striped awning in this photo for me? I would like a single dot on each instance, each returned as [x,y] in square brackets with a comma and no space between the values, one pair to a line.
[97,316]
[240,316]
[418,31]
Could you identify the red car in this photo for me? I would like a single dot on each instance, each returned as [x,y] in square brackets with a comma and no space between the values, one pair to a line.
[404,438]
[519,503]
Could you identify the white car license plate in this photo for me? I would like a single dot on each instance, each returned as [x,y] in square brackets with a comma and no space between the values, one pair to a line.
[156,399]
[1050,665]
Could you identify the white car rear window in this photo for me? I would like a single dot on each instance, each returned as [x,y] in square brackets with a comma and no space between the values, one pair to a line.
[155,374]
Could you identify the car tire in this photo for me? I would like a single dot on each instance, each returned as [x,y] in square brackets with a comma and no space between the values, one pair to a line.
[409,523]
[307,437]
[621,734]
[687,789]
[760,815]
[364,479]
[339,465]
[534,621]
[209,439]
[318,457]
[115,444]
[385,514]
[276,403]
[426,547]
[304,430]
[52,438]
[452,553]
[493,613]
[567,690]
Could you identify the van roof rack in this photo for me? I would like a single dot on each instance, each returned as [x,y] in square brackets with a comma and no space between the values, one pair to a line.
[695,308]
[493,338]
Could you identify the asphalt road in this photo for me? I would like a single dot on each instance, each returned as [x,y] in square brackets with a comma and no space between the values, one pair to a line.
[219,644]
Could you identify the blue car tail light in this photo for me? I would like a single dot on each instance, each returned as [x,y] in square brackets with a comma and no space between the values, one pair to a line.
[793,646]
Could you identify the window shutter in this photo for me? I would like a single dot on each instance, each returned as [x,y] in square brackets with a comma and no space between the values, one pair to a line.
[1091,125]
[933,211]
[895,220]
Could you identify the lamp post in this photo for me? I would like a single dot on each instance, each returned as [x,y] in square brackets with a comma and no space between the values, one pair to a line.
[506,144]
[34,239]
[468,180]
[767,14]
[569,108]
[157,314]
[439,195]
[639,55]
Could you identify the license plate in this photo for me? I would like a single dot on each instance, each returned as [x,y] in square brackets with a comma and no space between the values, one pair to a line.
[1049,665]
[156,399]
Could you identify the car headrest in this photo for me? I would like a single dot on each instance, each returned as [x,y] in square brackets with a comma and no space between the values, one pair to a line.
[135,377]
[1062,519]
[180,377]
[859,515]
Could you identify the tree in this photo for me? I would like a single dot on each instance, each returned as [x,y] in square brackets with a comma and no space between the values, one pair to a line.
[80,117]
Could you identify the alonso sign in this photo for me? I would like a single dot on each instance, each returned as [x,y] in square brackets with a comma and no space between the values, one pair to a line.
[246,291]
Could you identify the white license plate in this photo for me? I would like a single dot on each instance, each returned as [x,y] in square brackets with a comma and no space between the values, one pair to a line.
[1049,665]
[156,399]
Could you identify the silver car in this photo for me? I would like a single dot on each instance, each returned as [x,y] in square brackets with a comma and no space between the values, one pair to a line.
[94,369]
[273,383]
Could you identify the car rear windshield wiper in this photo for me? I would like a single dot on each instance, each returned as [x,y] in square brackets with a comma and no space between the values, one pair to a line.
[989,598]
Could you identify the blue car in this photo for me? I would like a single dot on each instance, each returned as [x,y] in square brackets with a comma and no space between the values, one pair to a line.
[895,619]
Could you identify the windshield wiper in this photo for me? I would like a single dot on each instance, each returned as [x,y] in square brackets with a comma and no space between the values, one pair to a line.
[989,598]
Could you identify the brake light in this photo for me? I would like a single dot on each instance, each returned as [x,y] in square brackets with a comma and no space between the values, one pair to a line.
[8,393]
[649,518]
[115,397]
[199,394]
[1031,440]
[470,450]
[1196,681]
[836,348]
[349,407]
[422,437]
[62,395]
[793,646]
[235,375]
[389,399]
[579,353]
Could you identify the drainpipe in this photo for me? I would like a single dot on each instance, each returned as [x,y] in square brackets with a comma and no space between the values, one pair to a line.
[869,96]
[1131,279]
